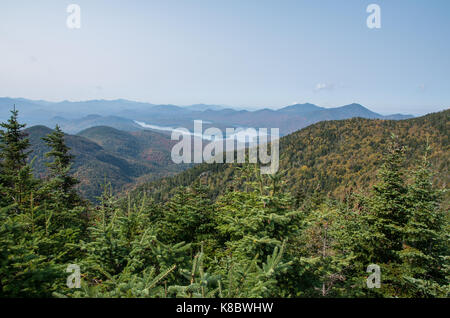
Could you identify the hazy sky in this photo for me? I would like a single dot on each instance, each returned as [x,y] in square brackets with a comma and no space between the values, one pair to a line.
[257,53]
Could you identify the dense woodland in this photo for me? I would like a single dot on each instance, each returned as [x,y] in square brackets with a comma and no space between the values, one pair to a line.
[104,153]
[298,233]
[331,157]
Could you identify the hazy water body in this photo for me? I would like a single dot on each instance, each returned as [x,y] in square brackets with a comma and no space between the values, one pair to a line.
[240,133]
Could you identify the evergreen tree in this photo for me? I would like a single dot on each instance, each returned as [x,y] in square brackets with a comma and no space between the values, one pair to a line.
[323,254]
[426,242]
[201,283]
[188,217]
[60,167]
[16,179]
[389,206]
[58,190]
[28,267]
[386,214]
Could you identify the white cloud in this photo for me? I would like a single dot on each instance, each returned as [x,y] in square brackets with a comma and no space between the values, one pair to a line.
[324,86]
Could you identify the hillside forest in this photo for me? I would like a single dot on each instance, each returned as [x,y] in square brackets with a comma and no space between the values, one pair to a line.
[349,194]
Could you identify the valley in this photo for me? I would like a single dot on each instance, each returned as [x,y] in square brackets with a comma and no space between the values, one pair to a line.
[107,156]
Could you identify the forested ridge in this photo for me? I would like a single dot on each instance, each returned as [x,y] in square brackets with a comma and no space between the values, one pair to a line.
[304,232]
[104,154]
[331,157]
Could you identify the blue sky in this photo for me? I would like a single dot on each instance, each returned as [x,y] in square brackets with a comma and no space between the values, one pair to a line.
[252,53]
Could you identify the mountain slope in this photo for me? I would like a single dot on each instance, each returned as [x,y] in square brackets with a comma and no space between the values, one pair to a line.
[73,126]
[300,108]
[203,107]
[332,156]
[110,155]
[144,145]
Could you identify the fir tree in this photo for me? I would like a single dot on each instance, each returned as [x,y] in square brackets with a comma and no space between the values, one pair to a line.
[188,216]
[389,206]
[62,162]
[426,243]
[386,214]
[324,254]
[16,179]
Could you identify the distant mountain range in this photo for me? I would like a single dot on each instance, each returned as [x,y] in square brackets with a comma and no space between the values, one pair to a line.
[121,114]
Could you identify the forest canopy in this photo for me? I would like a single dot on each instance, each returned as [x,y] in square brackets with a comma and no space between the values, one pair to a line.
[294,234]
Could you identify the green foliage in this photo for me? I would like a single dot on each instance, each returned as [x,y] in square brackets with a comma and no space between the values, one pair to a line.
[388,208]
[249,237]
[324,252]
[37,235]
[100,152]
[426,238]
[188,216]
[333,157]
[16,179]
[201,283]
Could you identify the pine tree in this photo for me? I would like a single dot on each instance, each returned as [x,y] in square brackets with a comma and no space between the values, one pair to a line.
[188,216]
[386,214]
[426,242]
[58,190]
[389,206]
[324,255]
[59,200]
[24,271]
[201,283]
[26,268]
[254,278]
[16,179]
[124,257]
[60,167]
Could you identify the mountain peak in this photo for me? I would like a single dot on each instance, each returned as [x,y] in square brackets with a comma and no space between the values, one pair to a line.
[355,106]
[39,129]
[300,108]
[357,110]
